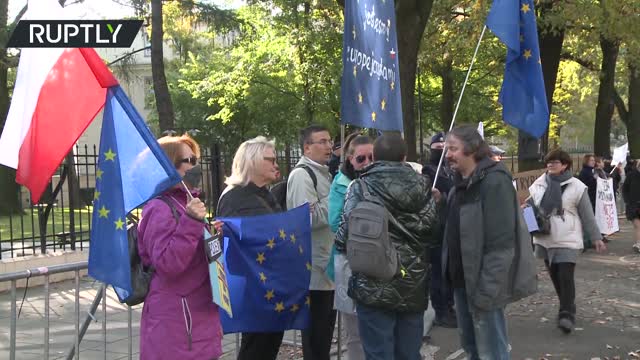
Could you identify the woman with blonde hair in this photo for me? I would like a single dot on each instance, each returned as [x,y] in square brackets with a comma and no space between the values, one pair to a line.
[254,168]
[179,319]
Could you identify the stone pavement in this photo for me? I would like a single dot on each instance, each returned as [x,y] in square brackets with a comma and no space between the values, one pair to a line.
[608,326]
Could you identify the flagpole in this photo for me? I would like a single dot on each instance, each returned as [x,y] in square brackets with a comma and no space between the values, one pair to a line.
[455,112]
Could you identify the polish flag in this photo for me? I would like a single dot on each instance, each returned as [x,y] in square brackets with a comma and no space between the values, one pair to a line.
[58,93]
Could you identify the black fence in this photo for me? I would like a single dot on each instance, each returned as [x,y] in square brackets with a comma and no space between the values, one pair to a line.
[62,218]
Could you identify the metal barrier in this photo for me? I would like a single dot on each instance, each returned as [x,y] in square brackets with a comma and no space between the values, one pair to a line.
[101,297]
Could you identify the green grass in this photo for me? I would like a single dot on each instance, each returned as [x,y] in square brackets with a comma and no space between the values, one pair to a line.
[26,226]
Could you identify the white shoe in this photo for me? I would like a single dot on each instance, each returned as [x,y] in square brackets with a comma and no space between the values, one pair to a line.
[636,248]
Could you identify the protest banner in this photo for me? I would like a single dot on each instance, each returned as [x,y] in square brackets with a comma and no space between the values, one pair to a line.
[606,212]
[523,180]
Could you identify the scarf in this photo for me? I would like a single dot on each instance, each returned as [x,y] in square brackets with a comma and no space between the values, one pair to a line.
[552,198]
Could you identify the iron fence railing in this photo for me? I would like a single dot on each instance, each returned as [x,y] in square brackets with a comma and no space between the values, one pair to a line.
[62,218]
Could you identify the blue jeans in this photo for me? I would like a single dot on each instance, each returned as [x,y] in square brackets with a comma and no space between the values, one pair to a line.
[389,335]
[483,334]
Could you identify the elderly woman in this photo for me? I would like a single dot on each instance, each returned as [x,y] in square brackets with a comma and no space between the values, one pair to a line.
[247,194]
[565,201]
[179,319]
[358,154]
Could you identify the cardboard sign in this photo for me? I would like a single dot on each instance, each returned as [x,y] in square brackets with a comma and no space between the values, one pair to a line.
[523,180]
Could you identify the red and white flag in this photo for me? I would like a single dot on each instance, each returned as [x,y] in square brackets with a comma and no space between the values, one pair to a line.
[58,93]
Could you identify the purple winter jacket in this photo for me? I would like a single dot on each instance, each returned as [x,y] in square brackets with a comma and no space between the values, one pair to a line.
[180,292]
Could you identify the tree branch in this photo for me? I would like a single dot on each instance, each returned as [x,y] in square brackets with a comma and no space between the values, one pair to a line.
[622,109]
[585,63]
[284,92]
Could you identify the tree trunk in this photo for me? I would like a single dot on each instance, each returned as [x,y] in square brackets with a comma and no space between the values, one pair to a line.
[411,20]
[605,106]
[448,97]
[532,150]
[9,201]
[160,88]
[633,115]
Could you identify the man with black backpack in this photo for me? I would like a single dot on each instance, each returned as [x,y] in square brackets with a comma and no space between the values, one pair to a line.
[388,223]
[310,182]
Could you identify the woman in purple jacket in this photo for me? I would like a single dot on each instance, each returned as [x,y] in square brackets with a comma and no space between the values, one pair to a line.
[179,318]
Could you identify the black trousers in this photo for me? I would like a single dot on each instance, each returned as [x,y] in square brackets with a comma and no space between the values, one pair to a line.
[260,346]
[562,276]
[316,340]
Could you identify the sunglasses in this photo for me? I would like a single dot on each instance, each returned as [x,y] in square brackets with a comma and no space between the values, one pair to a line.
[190,160]
[362,158]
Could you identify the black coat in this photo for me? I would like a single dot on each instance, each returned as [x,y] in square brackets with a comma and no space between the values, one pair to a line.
[587,176]
[407,196]
[631,194]
[247,200]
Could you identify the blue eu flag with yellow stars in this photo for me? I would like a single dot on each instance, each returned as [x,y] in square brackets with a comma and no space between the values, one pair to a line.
[523,97]
[370,76]
[132,168]
[267,259]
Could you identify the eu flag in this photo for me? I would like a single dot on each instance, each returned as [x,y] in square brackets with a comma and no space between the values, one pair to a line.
[523,97]
[132,168]
[370,76]
[267,259]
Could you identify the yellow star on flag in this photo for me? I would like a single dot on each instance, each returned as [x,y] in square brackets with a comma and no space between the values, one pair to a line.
[99,173]
[525,8]
[119,224]
[354,32]
[527,54]
[261,258]
[300,249]
[263,277]
[270,295]
[103,212]
[96,195]
[283,235]
[293,238]
[279,307]
[110,155]
[393,85]
[355,71]
[308,301]
[308,266]
[360,98]
[295,307]
[540,60]
[383,104]
[271,243]
[373,116]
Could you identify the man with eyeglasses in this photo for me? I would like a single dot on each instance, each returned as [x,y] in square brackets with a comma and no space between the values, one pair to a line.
[310,182]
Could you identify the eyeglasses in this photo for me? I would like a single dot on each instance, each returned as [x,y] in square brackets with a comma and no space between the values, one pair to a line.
[554,162]
[323,142]
[362,158]
[270,159]
[190,160]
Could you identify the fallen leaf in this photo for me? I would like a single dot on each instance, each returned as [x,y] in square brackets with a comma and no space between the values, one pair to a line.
[609,347]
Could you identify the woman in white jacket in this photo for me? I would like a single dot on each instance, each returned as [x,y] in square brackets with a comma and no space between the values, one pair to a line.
[564,199]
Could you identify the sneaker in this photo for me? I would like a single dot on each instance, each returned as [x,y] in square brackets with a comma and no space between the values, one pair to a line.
[449,322]
[636,248]
[566,325]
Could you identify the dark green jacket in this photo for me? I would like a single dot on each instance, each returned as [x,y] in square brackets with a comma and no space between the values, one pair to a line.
[495,245]
[407,196]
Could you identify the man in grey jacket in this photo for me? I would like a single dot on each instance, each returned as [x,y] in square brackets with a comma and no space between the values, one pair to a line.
[316,145]
[486,251]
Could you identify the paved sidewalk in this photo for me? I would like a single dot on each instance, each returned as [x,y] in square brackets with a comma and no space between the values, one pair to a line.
[608,299]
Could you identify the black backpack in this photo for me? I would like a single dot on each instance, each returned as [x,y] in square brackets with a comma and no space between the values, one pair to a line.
[140,274]
[279,190]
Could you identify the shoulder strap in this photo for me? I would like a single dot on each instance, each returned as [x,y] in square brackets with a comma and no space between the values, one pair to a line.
[365,190]
[174,212]
[311,173]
